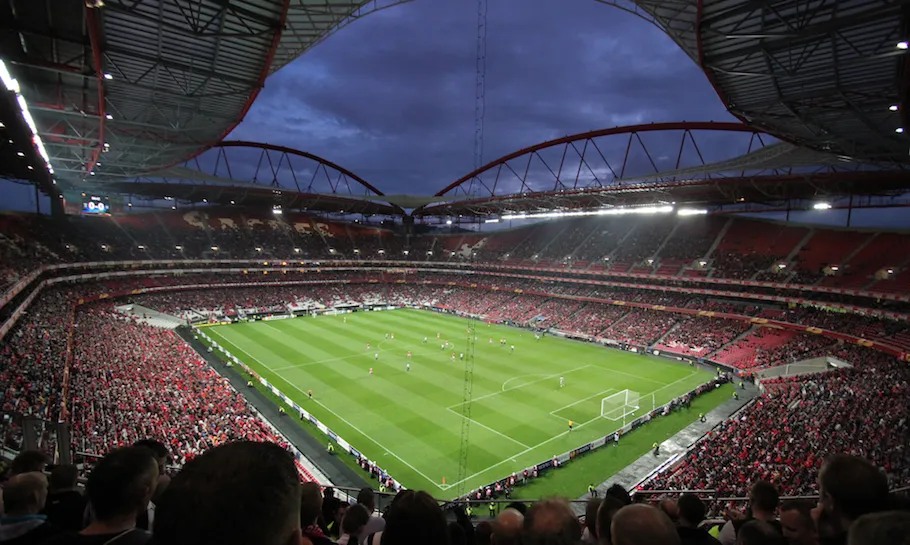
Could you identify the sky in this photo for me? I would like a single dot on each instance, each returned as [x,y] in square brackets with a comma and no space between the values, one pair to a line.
[392,97]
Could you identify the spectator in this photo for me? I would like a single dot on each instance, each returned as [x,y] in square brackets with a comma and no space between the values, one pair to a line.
[691,515]
[415,517]
[763,502]
[605,515]
[885,528]
[589,535]
[619,492]
[797,524]
[119,488]
[23,498]
[483,533]
[310,508]
[759,532]
[162,457]
[507,527]
[642,525]
[356,518]
[65,507]
[551,522]
[670,509]
[849,487]
[367,498]
[28,461]
[238,493]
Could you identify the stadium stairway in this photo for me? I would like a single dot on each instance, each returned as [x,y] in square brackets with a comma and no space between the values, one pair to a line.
[679,444]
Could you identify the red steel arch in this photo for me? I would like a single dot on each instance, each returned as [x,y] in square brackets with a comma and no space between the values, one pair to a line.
[300,153]
[632,130]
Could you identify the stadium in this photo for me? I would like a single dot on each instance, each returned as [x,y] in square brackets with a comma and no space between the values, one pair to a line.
[633,319]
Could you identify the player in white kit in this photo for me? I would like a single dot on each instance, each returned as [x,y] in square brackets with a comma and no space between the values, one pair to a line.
[562,382]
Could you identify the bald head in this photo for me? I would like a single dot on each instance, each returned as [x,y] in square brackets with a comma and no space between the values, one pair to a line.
[25,494]
[670,509]
[551,521]
[642,525]
[507,527]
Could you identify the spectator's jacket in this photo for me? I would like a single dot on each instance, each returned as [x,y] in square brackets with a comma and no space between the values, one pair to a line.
[65,510]
[25,529]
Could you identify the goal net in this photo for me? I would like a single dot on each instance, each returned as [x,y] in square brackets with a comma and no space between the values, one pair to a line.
[620,405]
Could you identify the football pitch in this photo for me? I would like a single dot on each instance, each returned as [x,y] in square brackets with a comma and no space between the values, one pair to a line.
[410,421]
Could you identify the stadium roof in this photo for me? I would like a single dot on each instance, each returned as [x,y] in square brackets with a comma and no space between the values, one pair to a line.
[139,85]
[824,74]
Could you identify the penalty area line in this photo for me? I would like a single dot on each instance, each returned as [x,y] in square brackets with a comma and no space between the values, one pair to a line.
[352,426]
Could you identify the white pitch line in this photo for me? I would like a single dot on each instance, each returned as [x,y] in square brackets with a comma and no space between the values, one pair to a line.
[522,385]
[582,400]
[515,456]
[488,428]
[352,426]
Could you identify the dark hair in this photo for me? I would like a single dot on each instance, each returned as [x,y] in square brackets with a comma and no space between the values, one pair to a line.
[63,477]
[608,508]
[159,450]
[764,496]
[121,483]
[366,498]
[619,492]
[483,533]
[856,486]
[591,515]
[691,508]
[310,503]
[551,522]
[759,532]
[415,517]
[521,507]
[237,493]
[885,528]
[355,518]
[28,461]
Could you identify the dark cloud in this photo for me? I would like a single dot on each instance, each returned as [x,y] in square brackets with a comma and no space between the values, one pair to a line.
[392,96]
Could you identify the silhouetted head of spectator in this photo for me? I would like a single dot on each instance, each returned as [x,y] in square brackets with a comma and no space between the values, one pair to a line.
[415,517]
[159,451]
[483,533]
[63,477]
[796,522]
[763,500]
[367,498]
[121,485]
[670,509]
[28,461]
[310,504]
[507,527]
[759,532]
[605,515]
[550,522]
[885,528]
[457,535]
[619,492]
[849,487]
[521,507]
[237,493]
[591,516]
[691,510]
[354,521]
[24,494]
[642,525]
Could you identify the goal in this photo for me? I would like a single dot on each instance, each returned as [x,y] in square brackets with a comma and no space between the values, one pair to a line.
[620,405]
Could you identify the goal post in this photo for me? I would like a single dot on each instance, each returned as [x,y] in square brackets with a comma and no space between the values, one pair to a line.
[626,403]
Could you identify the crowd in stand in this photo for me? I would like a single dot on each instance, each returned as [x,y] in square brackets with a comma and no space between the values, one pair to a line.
[799,421]
[246,492]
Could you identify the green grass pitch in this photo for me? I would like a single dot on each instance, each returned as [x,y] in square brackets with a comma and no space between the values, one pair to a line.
[410,422]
